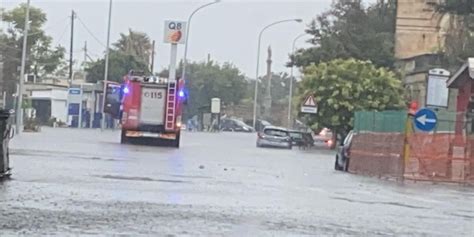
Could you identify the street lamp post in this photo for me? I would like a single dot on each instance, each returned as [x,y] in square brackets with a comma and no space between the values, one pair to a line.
[187,35]
[258,64]
[19,109]
[291,80]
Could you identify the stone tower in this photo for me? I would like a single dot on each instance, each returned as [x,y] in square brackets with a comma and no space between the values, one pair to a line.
[268,92]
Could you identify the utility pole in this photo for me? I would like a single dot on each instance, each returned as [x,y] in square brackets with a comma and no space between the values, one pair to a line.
[152,66]
[86,55]
[106,70]
[19,112]
[71,47]
[85,51]
[1,82]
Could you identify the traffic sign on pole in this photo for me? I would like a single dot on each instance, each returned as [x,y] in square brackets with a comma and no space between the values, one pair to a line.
[426,120]
[309,106]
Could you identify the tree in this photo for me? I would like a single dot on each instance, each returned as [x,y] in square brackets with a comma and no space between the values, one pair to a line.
[458,7]
[43,59]
[206,80]
[119,65]
[137,44]
[130,52]
[342,87]
[349,30]
[459,41]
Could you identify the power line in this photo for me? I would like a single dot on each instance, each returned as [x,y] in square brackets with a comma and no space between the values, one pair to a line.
[11,57]
[39,32]
[31,61]
[48,28]
[64,32]
[8,46]
[89,31]
[95,37]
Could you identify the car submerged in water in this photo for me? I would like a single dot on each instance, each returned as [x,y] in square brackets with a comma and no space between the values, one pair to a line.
[277,137]
[301,139]
[325,139]
[235,125]
[344,153]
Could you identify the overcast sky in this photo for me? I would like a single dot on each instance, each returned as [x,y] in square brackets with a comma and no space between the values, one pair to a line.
[228,31]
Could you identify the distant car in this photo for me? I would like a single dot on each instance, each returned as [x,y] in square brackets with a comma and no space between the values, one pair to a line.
[325,137]
[274,137]
[259,124]
[297,138]
[301,139]
[234,125]
[343,153]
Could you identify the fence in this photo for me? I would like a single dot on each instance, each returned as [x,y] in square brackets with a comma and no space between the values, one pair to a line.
[378,154]
[387,144]
[386,121]
[377,147]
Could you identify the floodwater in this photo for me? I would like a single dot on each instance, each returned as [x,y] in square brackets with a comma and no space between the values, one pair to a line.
[84,182]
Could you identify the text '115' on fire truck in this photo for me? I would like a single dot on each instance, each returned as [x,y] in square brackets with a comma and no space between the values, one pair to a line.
[149,108]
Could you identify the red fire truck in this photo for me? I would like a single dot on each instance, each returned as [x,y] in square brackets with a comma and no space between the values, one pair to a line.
[151,110]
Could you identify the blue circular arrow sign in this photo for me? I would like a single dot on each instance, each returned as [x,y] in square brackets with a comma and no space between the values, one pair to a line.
[425,120]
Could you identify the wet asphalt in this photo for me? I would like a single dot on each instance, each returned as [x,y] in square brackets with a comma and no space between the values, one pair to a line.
[69,182]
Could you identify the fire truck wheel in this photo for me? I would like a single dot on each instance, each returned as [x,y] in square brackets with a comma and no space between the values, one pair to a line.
[176,142]
[123,138]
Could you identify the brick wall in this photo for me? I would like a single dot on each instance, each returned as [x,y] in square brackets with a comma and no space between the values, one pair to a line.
[378,154]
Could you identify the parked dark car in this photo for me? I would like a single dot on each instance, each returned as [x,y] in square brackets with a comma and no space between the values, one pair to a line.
[301,139]
[297,138]
[259,124]
[235,125]
[274,137]
[343,153]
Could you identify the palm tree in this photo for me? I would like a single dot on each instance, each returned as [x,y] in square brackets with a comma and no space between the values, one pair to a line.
[135,43]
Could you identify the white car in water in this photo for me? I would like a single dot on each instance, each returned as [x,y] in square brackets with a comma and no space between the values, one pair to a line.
[324,138]
[274,137]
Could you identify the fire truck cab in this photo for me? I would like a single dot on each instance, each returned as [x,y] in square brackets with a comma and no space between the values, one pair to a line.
[151,110]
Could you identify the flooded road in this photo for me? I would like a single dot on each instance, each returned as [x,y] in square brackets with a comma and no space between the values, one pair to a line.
[83,182]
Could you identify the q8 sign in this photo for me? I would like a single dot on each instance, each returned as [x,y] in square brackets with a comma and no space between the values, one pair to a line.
[175,32]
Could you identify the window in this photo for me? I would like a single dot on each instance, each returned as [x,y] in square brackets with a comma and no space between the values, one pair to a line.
[276,132]
[296,135]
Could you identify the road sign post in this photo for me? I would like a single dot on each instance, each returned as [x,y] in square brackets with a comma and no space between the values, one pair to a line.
[74,104]
[309,106]
[174,34]
[425,120]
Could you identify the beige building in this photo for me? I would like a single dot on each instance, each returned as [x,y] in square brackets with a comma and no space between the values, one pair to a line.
[419,29]
[419,37]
